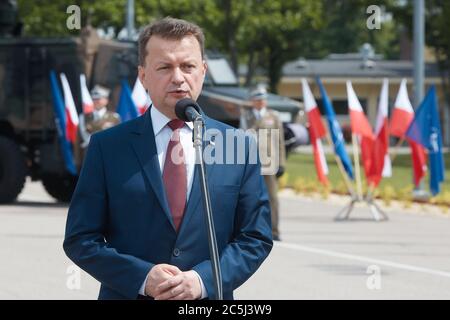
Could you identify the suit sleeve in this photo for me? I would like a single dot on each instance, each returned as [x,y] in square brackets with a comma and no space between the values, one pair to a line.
[252,240]
[86,228]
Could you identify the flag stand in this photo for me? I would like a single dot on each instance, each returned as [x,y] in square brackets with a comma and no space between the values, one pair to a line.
[375,210]
[377,213]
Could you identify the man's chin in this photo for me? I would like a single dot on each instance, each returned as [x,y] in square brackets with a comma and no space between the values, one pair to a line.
[169,104]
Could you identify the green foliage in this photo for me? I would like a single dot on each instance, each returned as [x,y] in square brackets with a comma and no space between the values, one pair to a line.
[387,194]
[301,172]
[282,181]
[299,185]
[47,18]
[264,34]
[437,35]
[325,191]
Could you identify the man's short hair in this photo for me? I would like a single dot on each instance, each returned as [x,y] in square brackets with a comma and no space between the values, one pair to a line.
[172,29]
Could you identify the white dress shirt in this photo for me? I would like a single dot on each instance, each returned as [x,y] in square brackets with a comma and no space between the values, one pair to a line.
[259,113]
[163,134]
[162,137]
[98,114]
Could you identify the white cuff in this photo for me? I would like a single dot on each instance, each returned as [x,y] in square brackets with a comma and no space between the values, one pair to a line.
[142,289]
[204,292]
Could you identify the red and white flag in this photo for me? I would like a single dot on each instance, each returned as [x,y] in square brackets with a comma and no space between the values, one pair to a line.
[401,118]
[403,112]
[86,99]
[316,132]
[71,110]
[360,127]
[140,97]
[381,162]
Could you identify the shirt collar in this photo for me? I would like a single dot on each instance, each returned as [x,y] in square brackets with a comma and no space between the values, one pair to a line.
[263,111]
[101,112]
[160,120]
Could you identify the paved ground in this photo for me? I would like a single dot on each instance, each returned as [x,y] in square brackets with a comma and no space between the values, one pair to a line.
[407,257]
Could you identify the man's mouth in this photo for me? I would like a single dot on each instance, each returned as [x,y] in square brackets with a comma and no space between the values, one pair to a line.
[178,92]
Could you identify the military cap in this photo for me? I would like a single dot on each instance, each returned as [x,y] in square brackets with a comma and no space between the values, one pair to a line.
[99,92]
[258,94]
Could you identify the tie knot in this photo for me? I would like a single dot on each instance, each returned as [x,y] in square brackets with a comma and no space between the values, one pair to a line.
[176,124]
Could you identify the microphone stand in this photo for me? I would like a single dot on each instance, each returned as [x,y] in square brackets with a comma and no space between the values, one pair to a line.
[213,250]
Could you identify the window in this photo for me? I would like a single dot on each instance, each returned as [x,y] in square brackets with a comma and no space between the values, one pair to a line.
[220,72]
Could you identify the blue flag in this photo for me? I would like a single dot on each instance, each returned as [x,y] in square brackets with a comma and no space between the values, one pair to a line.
[126,107]
[60,119]
[425,129]
[335,131]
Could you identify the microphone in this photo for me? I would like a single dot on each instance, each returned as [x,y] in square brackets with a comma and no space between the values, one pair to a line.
[187,110]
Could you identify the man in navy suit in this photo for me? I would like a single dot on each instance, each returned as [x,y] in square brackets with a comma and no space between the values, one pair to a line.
[136,221]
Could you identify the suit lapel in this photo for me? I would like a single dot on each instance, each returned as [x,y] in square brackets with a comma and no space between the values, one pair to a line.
[144,146]
[210,167]
[193,202]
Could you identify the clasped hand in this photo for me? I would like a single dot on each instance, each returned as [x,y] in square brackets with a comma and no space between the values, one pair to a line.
[167,282]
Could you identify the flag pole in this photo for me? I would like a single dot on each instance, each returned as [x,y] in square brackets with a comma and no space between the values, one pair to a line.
[342,170]
[357,167]
[344,213]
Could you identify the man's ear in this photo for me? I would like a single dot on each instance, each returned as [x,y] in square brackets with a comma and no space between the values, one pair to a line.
[205,67]
[141,75]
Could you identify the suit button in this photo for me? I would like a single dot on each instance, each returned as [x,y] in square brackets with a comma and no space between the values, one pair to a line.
[176,252]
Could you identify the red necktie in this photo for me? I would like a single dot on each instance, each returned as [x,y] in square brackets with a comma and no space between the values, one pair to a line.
[174,174]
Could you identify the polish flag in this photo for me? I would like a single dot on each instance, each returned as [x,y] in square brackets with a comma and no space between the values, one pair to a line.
[360,127]
[401,118]
[140,97]
[316,132]
[403,112]
[86,100]
[71,110]
[381,162]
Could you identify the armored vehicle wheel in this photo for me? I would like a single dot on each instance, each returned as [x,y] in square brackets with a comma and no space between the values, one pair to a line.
[60,187]
[13,170]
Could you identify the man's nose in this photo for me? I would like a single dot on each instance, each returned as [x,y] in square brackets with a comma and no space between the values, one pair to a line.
[177,77]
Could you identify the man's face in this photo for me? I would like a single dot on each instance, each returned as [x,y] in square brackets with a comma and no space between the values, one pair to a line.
[173,70]
[259,104]
[100,103]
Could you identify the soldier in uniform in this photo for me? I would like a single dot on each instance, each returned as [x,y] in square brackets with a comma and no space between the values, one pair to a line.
[260,117]
[100,119]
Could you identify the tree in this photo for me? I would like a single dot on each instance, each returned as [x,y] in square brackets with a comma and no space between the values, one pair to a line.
[346,27]
[270,33]
[437,36]
[47,18]
[263,34]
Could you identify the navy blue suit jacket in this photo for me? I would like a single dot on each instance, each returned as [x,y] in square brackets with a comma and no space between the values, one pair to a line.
[119,225]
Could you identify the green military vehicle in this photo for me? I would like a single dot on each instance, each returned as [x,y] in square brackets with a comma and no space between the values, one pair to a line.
[29,144]
[223,99]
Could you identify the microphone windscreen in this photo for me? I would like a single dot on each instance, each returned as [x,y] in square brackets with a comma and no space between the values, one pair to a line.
[182,105]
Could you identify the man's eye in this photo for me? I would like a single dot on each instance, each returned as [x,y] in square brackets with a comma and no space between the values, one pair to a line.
[163,68]
[189,67]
